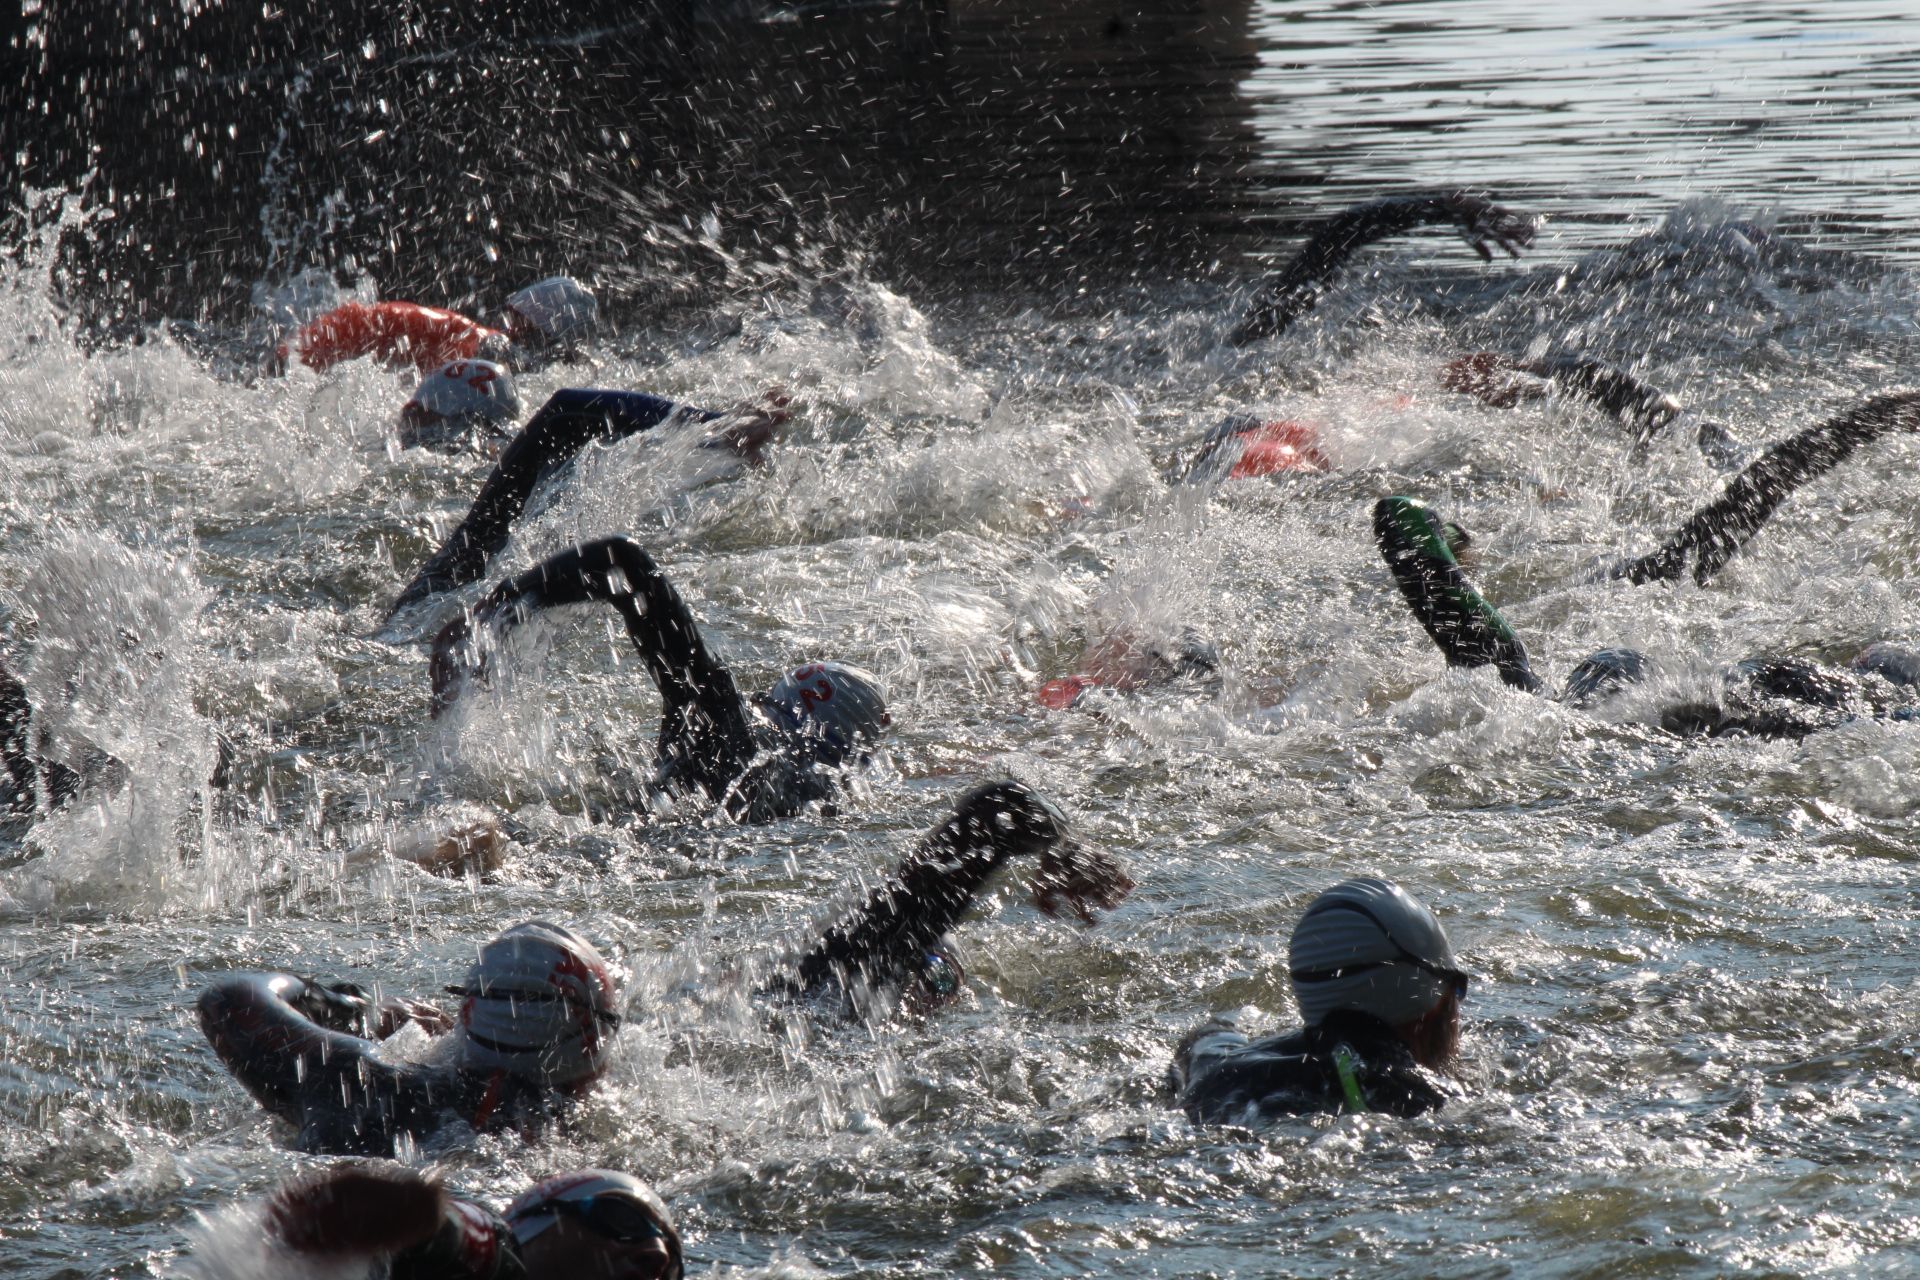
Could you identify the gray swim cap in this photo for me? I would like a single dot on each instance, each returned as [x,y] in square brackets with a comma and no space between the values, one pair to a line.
[1365,945]
[1891,661]
[837,708]
[538,1003]
[560,307]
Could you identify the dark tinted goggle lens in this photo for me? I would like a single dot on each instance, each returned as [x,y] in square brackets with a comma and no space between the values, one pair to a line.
[615,1217]
[607,1016]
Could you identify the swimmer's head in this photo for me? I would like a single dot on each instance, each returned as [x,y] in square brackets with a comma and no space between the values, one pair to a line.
[558,309]
[460,402]
[836,709]
[1793,679]
[1602,674]
[596,1222]
[1893,662]
[538,1003]
[1366,946]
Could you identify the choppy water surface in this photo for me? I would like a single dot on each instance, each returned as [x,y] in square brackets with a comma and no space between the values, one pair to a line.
[1693,1046]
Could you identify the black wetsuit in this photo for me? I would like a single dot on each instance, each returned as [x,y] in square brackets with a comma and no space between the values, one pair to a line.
[473,1243]
[568,422]
[896,938]
[1295,289]
[1219,1076]
[1774,698]
[295,1045]
[712,741]
[1705,543]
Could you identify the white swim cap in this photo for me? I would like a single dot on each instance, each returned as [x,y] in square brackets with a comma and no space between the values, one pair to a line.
[461,390]
[836,707]
[615,1205]
[539,1003]
[559,307]
[1365,945]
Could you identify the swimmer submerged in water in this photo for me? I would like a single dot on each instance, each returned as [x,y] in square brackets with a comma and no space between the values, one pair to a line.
[588,1224]
[568,422]
[539,1010]
[1379,993]
[539,320]
[1766,698]
[1244,446]
[759,758]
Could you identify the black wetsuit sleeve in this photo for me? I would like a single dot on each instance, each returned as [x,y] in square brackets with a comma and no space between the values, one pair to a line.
[1296,288]
[706,733]
[1468,631]
[568,422]
[267,1029]
[888,937]
[1710,538]
[1610,389]
[473,1243]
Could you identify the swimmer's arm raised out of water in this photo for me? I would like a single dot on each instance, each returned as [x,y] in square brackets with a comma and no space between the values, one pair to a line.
[1294,290]
[704,716]
[1710,538]
[291,1041]
[1466,629]
[1503,381]
[570,420]
[885,940]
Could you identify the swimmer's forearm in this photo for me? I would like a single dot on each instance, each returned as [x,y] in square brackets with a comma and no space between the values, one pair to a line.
[1295,289]
[1467,630]
[1711,537]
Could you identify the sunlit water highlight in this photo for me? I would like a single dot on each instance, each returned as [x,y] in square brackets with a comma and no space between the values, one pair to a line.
[1691,1044]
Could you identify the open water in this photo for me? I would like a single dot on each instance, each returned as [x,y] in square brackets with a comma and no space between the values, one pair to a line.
[1691,1044]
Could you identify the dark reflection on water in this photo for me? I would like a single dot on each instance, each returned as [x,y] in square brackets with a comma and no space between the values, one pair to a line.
[450,154]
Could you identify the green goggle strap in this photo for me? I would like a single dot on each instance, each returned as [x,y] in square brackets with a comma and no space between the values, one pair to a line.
[1346,1065]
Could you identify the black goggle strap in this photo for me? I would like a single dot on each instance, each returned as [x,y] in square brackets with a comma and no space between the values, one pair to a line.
[607,1016]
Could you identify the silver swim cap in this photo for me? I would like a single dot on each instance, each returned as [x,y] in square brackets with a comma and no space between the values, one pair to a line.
[538,1003]
[463,391]
[1365,945]
[836,707]
[559,307]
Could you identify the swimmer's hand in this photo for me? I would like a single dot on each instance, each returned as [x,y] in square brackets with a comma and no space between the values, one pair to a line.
[395,1012]
[1076,877]
[1482,221]
[358,1210]
[752,424]
[449,668]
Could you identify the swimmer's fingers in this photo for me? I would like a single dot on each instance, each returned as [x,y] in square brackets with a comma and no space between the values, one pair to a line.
[1073,877]
[1483,222]
[397,1011]
[356,1210]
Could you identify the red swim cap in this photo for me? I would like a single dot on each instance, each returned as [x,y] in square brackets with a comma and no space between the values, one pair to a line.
[1275,447]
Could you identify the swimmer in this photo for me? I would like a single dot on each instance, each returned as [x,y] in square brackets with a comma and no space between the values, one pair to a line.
[568,422]
[539,1010]
[589,1223]
[1497,380]
[1379,993]
[757,758]
[1123,663]
[1243,446]
[1770,698]
[535,1029]
[463,406]
[539,319]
